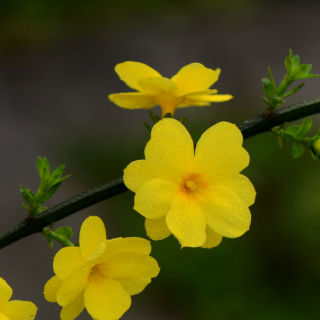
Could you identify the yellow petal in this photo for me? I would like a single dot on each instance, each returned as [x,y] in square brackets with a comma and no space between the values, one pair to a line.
[219,155]
[106,299]
[170,151]
[5,291]
[73,286]
[225,212]
[73,310]
[51,289]
[158,86]
[66,261]
[157,229]
[154,198]
[19,310]
[187,222]
[136,174]
[213,239]
[3,317]
[209,98]
[96,256]
[134,286]
[131,265]
[133,100]
[187,104]
[131,71]
[242,186]
[195,77]
[92,233]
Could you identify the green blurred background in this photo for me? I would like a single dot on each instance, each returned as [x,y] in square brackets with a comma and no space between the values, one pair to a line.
[57,63]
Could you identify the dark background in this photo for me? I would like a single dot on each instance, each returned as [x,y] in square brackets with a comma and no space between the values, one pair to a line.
[57,63]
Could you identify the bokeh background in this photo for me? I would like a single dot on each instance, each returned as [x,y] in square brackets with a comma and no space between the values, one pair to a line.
[57,63]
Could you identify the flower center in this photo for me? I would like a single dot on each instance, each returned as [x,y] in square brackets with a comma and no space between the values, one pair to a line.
[191,185]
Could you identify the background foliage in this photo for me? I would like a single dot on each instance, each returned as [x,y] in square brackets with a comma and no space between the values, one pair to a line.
[56,71]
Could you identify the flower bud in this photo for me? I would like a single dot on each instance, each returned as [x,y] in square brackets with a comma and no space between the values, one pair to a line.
[315,145]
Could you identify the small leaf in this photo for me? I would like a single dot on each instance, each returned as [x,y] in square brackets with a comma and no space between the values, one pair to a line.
[40,166]
[153,117]
[299,72]
[292,130]
[64,178]
[268,87]
[297,150]
[147,127]
[182,119]
[51,192]
[168,115]
[305,127]
[25,207]
[294,90]
[49,239]
[309,67]
[308,76]
[55,175]
[272,79]
[65,232]
[27,195]
[295,61]
[279,141]
[266,101]
[288,64]
[46,169]
[290,53]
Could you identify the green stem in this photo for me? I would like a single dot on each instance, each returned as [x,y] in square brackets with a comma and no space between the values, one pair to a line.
[259,124]
[65,242]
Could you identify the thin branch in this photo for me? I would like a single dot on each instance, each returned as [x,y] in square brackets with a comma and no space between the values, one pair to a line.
[259,124]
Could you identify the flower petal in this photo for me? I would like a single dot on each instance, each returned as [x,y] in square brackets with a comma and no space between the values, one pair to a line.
[157,229]
[213,239]
[73,310]
[73,286]
[187,222]
[125,265]
[106,299]
[219,155]
[243,187]
[154,198]
[136,174]
[131,71]
[51,289]
[133,100]
[225,212]
[92,233]
[170,151]
[3,317]
[134,286]
[5,291]
[66,261]
[195,77]
[209,98]
[19,310]
[158,86]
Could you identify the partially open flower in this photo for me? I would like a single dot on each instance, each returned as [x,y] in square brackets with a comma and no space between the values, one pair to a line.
[189,87]
[101,274]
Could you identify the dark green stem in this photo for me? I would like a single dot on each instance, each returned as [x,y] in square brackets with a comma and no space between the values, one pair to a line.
[259,124]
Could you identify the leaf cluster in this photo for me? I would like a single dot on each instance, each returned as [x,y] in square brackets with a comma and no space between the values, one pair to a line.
[295,71]
[50,182]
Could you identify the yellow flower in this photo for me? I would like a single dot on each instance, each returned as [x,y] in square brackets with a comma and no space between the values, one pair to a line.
[101,274]
[14,309]
[189,87]
[197,197]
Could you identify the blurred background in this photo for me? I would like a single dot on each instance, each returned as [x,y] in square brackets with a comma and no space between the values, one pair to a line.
[57,63]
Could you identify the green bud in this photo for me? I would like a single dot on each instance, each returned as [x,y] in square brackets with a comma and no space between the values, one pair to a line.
[316,147]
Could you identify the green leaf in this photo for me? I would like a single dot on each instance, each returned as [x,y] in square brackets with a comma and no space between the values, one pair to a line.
[46,174]
[55,175]
[290,53]
[294,90]
[182,119]
[25,207]
[40,165]
[51,192]
[292,130]
[309,67]
[266,101]
[307,76]
[288,64]
[65,232]
[27,195]
[295,61]
[279,141]
[49,240]
[268,87]
[305,127]
[64,178]
[299,72]
[297,150]
[153,117]
[147,127]
[168,115]
[272,79]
